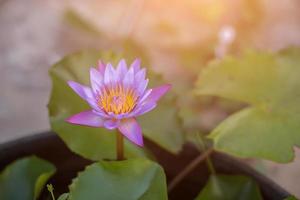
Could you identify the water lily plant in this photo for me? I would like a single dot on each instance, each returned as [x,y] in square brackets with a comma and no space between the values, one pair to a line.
[116,97]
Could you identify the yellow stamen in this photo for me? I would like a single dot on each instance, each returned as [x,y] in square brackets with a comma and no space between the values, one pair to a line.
[117,100]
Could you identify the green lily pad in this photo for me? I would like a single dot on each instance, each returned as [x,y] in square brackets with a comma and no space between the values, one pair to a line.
[134,179]
[226,187]
[24,179]
[269,128]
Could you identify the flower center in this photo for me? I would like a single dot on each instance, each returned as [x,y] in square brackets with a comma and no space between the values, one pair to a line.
[117,100]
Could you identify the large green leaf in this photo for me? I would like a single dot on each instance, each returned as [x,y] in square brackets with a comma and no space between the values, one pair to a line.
[270,84]
[99,143]
[134,179]
[24,179]
[226,187]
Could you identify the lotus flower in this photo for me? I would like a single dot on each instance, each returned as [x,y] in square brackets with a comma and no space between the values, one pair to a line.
[117,97]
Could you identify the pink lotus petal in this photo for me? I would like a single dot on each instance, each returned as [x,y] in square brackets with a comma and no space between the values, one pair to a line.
[145,108]
[101,67]
[129,78]
[87,118]
[140,76]
[132,131]
[149,100]
[96,80]
[121,70]
[141,86]
[158,92]
[94,105]
[101,113]
[117,116]
[83,91]
[136,65]
[109,75]
[111,124]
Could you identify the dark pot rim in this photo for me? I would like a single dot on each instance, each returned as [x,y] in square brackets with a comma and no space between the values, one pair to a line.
[224,164]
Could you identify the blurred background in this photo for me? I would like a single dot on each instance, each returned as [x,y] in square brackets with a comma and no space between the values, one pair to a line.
[173,34]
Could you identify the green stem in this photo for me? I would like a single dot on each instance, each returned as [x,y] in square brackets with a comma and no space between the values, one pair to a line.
[120,146]
[52,195]
[190,167]
[210,165]
[50,189]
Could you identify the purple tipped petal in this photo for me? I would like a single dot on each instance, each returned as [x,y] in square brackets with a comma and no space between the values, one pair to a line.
[144,109]
[140,82]
[141,86]
[101,113]
[111,124]
[96,80]
[136,65]
[101,67]
[144,96]
[83,91]
[140,76]
[149,99]
[129,78]
[158,92]
[121,69]
[117,116]
[94,104]
[132,130]
[87,118]
[109,75]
